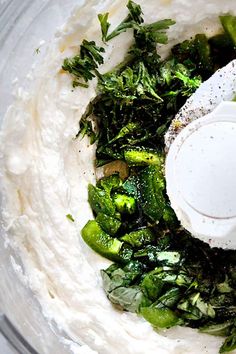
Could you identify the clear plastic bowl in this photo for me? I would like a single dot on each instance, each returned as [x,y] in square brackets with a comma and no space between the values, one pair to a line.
[23,25]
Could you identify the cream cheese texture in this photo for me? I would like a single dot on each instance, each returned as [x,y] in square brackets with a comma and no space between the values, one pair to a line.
[45,176]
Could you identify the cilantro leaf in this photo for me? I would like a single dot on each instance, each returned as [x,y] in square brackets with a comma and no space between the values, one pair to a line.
[132,20]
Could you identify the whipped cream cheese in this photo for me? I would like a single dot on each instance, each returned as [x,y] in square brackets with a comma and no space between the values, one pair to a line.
[45,176]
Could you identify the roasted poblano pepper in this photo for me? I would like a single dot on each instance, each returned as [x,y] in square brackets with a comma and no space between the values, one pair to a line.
[124,203]
[139,238]
[108,223]
[100,241]
[100,201]
[142,157]
[160,317]
[152,189]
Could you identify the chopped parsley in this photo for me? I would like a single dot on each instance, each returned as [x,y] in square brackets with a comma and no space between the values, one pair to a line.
[83,66]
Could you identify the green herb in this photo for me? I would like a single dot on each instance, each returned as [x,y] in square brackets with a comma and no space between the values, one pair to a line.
[84,65]
[139,238]
[70,217]
[230,343]
[161,272]
[103,18]
[133,20]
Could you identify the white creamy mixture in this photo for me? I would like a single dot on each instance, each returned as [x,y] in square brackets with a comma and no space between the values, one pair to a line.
[45,177]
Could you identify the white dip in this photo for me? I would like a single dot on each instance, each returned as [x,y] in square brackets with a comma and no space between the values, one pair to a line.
[45,177]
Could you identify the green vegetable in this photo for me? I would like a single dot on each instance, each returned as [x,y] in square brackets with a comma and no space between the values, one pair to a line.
[124,204]
[230,343]
[151,189]
[133,19]
[221,329]
[109,224]
[151,286]
[100,201]
[195,307]
[162,272]
[173,72]
[100,241]
[204,52]
[129,299]
[168,257]
[128,129]
[125,88]
[110,183]
[229,25]
[84,65]
[131,187]
[189,84]
[169,217]
[70,217]
[169,299]
[116,283]
[87,129]
[139,238]
[224,287]
[160,317]
[142,157]
[103,19]
[172,276]
[115,276]
[163,257]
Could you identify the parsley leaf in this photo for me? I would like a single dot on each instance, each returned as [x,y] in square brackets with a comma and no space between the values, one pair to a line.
[133,20]
[103,18]
[84,65]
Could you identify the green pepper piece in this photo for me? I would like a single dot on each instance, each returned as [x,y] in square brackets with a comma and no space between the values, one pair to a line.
[160,317]
[169,217]
[139,238]
[169,299]
[100,201]
[108,223]
[229,25]
[100,241]
[230,343]
[110,183]
[124,203]
[152,188]
[142,157]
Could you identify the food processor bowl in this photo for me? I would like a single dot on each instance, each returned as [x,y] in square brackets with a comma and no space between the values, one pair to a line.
[24,27]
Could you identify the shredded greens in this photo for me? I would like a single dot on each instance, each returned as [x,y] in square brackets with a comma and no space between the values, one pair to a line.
[84,66]
[160,271]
